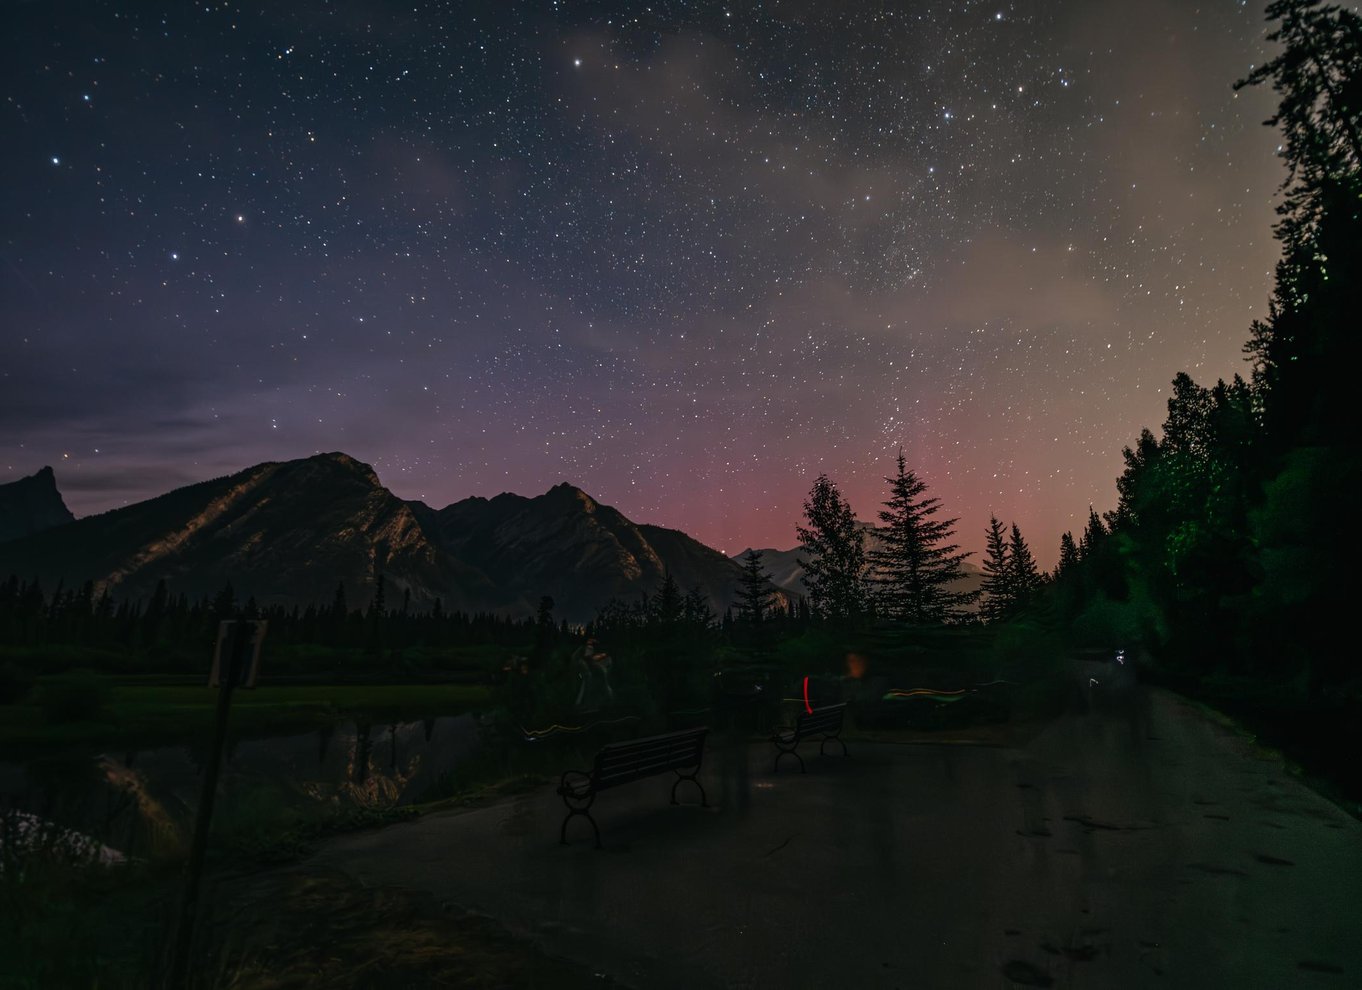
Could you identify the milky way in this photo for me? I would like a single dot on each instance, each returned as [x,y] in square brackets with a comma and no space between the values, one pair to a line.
[686,255]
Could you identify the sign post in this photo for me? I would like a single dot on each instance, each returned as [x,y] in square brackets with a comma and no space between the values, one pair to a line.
[236,662]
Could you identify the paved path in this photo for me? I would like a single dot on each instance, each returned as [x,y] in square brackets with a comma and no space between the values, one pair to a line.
[1137,846]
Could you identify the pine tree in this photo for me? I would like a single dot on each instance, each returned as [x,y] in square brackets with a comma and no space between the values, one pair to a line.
[155,614]
[378,607]
[1092,534]
[665,608]
[835,569]
[1318,76]
[915,565]
[756,594]
[1024,576]
[995,590]
[695,610]
[224,604]
[1305,354]
[1068,555]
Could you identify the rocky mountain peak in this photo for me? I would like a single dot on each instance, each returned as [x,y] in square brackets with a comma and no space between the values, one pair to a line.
[566,492]
[345,461]
[31,505]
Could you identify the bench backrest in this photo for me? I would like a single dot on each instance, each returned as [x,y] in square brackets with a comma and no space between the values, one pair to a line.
[827,719]
[621,762]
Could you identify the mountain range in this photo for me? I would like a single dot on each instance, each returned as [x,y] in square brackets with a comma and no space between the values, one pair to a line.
[290,532]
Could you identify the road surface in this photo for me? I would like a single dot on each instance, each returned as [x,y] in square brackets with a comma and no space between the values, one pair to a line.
[1140,844]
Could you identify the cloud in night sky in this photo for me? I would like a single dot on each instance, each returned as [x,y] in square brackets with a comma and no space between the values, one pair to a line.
[685,258]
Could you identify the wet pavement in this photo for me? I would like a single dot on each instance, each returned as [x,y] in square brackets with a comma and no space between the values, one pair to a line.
[1136,843]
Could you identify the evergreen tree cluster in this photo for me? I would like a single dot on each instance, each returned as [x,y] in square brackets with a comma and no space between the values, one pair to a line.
[1011,578]
[171,631]
[664,613]
[908,576]
[1224,550]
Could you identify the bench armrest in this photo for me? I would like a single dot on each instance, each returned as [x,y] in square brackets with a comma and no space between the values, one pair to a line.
[563,786]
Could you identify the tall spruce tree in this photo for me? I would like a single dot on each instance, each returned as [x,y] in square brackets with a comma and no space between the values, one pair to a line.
[1093,534]
[1024,575]
[996,593]
[834,557]
[665,608]
[1068,555]
[915,565]
[756,594]
[1318,77]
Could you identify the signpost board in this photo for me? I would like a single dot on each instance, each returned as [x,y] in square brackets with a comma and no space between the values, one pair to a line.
[237,663]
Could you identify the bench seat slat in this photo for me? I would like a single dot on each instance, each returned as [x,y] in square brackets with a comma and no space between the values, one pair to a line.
[644,752]
[625,762]
[651,756]
[650,760]
[643,767]
[662,740]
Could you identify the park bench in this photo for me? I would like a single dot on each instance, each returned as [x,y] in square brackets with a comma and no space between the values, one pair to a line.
[624,762]
[825,721]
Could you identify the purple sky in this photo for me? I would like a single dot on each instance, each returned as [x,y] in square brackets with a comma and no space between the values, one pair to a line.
[685,259]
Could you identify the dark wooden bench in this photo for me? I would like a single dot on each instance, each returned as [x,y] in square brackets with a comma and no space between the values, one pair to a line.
[825,721]
[625,762]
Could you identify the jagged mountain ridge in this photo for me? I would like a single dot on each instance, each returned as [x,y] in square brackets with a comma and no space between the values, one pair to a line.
[32,505]
[283,532]
[289,532]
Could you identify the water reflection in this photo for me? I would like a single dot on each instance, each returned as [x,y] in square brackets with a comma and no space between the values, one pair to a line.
[140,803]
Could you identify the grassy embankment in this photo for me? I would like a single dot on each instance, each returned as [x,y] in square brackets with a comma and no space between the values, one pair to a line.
[82,696]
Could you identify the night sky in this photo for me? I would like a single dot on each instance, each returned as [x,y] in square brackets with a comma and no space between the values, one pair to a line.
[683,255]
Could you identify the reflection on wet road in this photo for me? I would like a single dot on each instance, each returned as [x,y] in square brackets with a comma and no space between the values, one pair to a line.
[1131,843]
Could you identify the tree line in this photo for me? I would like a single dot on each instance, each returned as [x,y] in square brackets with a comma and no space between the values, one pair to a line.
[166,624]
[1227,547]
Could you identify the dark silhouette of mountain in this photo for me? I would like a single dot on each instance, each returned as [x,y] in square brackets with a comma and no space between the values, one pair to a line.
[567,545]
[783,566]
[290,532]
[31,505]
[281,532]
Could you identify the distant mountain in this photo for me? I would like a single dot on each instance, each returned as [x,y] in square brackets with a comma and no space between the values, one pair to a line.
[567,545]
[787,574]
[282,532]
[288,533]
[783,566]
[31,505]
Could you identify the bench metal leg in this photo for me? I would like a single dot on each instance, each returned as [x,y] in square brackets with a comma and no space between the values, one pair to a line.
[837,740]
[787,752]
[584,811]
[704,800]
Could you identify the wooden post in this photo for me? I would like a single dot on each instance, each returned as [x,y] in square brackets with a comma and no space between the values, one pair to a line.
[184,934]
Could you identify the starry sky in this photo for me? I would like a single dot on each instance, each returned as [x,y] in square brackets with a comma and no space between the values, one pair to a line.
[684,255]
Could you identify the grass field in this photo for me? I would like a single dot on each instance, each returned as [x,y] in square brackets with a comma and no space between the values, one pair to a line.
[148,714]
